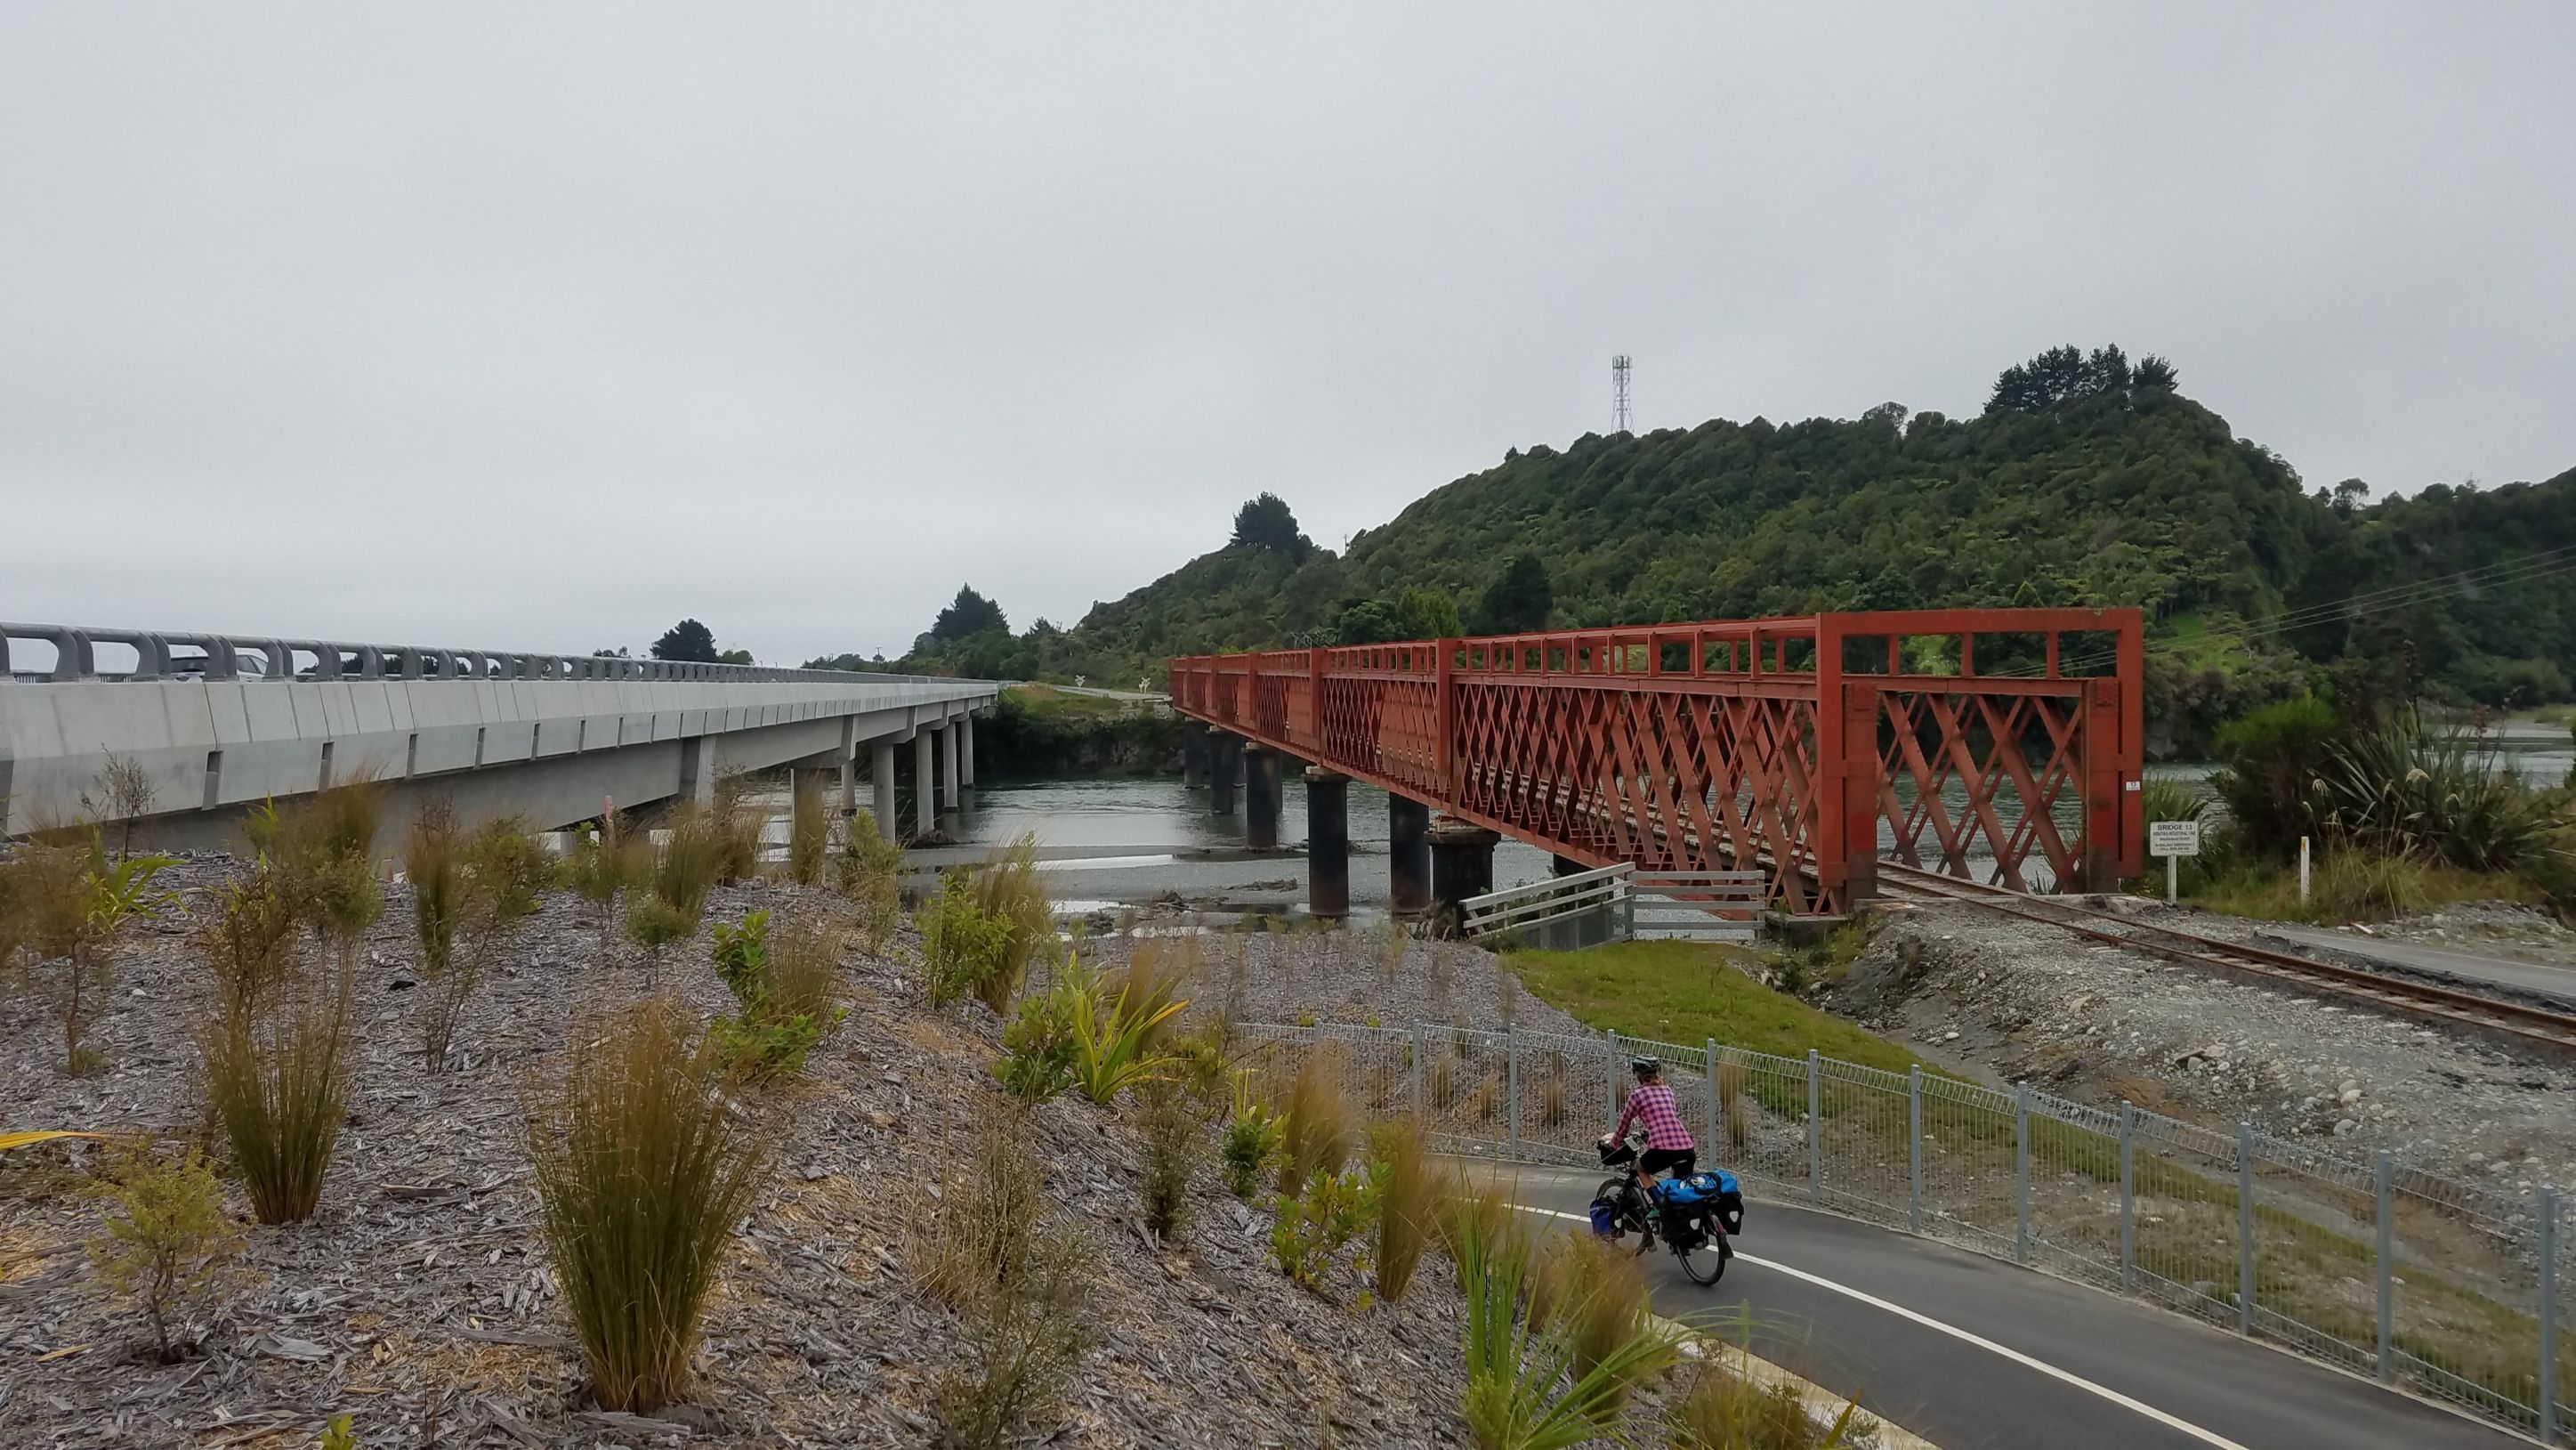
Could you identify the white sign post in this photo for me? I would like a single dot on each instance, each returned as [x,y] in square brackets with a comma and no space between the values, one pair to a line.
[2172,840]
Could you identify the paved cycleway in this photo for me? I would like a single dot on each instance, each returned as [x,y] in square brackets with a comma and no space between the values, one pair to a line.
[1975,1354]
[2544,977]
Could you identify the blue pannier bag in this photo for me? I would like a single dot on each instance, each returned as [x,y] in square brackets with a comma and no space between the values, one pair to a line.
[1715,1192]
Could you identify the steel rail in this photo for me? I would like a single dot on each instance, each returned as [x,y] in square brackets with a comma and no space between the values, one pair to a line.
[2536,1024]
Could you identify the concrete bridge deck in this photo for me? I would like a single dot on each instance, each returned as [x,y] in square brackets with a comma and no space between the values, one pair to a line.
[212,725]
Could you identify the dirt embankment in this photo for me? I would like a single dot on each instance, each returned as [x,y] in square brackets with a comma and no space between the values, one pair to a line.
[2014,1001]
[419,1299]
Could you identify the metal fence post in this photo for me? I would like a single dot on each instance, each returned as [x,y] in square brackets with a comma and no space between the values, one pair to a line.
[1815,1130]
[2245,1229]
[1512,1082]
[2383,1180]
[1716,1115]
[2128,1197]
[1420,1110]
[2548,1207]
[1914,1150]
[2021,1173]
[1612,1037]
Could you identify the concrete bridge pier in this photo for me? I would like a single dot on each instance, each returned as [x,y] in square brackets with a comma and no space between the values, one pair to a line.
[1225,754]
[1408,856]
[881,783]
[925,788]
[1462,864]
[1260,797]
[948,798]
[1328,843]
[966,750]
[1194,754]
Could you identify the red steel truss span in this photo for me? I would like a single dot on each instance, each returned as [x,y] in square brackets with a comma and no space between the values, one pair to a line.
[1993,744]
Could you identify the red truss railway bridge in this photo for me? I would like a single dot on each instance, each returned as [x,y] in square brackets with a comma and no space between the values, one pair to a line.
[2001,745]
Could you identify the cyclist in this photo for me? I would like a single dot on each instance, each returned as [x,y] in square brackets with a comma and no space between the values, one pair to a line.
[1668,1143]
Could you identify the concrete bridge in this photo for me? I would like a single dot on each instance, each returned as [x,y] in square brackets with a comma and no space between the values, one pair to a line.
[213,724]
[2003,744]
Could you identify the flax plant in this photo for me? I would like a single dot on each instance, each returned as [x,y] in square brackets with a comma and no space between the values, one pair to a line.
[643,1165]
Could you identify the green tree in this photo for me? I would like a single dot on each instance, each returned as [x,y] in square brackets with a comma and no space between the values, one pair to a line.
[1366,621]
[1519,598]
[1264,522]
[968,614]
[733,657]
[1427,612]
[686,640]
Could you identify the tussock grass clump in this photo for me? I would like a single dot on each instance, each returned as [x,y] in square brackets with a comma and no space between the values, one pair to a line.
[1590,1292]
[1008,889]
[684,871]
[1018,1277]
[642,1167]
[734,824]
[1524,1390]
[1478,1212]
[1403,1201]
[277,1076]
[322,848]
[1735,1106]
[165,1238]
[809,829]
[1317,1135]
[1722,1407]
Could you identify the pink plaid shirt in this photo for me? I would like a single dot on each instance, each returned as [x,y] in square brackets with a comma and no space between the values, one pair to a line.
[1653,1106]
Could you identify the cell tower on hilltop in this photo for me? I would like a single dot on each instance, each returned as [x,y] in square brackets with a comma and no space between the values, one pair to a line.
[1619,393]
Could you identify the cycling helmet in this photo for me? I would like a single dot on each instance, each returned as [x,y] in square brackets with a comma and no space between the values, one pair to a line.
[1645,1066]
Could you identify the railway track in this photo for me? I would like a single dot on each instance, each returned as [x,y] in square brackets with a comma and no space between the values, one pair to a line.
[2387,992]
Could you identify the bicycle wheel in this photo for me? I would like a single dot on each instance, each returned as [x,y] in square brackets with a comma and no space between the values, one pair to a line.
[1705,1264]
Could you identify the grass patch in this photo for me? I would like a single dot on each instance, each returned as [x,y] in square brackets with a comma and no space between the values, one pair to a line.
[1685,992]
[2352,886]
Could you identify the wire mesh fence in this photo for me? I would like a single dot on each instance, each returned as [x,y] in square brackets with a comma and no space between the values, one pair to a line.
[2441,1286]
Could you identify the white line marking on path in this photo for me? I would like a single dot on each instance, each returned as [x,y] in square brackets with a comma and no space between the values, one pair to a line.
[2206,1437]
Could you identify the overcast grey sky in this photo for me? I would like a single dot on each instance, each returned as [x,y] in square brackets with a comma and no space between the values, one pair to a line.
[542,326]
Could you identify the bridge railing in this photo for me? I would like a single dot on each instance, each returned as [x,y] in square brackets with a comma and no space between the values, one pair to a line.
[74,654]
[2003,744]
[2452,1289]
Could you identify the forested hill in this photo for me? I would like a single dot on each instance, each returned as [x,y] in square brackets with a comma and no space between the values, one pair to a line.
[2086,482]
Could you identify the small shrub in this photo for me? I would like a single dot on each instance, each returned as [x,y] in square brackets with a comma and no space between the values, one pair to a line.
[869,871]
[511,870]
[1253,1142]
[741,955]
[277,1078]
[322,848]
[75,903]
[1318,1127]
[165,1238]
[124,792]
[654,924]
[1038,1042]
[691,856]
[1391,945]
[1175,1143]
[1314,1226]
[762,1047]
[1402,1202]
[963,949]
[642,1167]
[809,829]
[605,864]
[336,1434]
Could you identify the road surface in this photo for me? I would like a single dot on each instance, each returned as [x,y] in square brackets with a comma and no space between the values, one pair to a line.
[2186,1386]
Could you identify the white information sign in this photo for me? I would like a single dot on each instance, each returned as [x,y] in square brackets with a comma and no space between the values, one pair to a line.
[2173,838]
